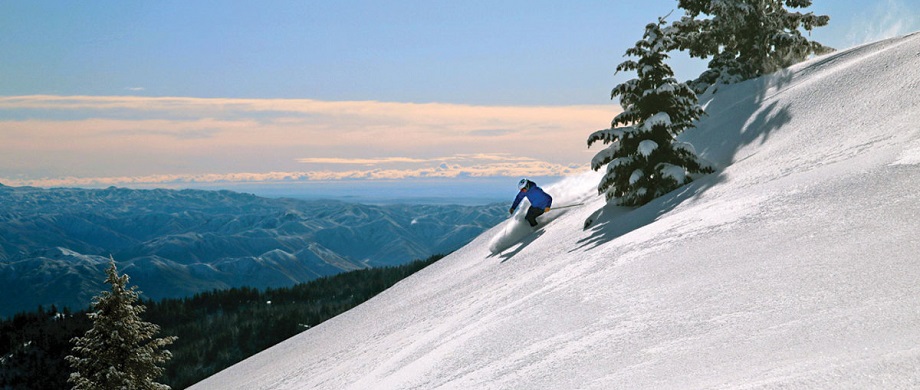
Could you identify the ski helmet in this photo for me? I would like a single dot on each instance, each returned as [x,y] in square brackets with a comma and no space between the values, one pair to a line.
[522,184]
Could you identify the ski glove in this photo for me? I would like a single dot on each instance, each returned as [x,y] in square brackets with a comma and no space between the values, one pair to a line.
[547,210]
[511,211]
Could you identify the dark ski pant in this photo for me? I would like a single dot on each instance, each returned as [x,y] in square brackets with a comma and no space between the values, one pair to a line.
[532,214]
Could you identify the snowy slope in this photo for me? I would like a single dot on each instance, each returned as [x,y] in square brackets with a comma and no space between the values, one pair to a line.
[796,264]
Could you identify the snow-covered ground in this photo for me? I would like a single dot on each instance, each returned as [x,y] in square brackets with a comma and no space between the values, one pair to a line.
[795,265]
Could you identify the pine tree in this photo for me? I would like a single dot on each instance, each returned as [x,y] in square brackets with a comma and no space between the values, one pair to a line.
[119,351]
[745,38]
[644,160]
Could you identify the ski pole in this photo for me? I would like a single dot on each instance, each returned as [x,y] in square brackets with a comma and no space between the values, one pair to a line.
[566,206]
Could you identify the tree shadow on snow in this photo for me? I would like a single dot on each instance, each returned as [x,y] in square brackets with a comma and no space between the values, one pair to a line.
[741,116]
[611,221]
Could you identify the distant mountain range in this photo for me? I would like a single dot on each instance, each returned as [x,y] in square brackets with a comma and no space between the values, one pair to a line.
[55,243]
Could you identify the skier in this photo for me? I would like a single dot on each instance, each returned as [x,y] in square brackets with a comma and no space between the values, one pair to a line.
[540,201]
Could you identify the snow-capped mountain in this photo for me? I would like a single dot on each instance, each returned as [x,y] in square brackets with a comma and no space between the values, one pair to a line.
[54,243]
[795,265]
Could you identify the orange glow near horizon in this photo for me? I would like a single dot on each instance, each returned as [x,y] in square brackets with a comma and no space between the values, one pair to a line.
[69,140]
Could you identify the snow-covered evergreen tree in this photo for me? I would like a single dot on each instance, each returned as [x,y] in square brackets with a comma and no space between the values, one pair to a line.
[643,158]
[745,38]
[119,351]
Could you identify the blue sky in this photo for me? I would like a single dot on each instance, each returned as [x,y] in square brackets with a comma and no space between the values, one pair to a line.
[477,52]
[185,92]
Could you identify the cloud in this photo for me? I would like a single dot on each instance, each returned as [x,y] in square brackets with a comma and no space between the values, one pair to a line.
[525,167]
[493,157]
[214,107]
[491,132]
[390,160]
[177,138]
[358,161]
[202,133]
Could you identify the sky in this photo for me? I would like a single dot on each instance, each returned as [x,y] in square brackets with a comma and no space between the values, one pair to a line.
[297,93]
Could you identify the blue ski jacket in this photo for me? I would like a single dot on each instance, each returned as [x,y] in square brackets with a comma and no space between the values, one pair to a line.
[535,195]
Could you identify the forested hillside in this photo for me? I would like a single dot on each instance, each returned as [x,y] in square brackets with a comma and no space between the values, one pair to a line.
[216,329]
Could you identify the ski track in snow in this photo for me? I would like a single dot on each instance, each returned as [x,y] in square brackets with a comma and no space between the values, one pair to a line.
[793,266]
